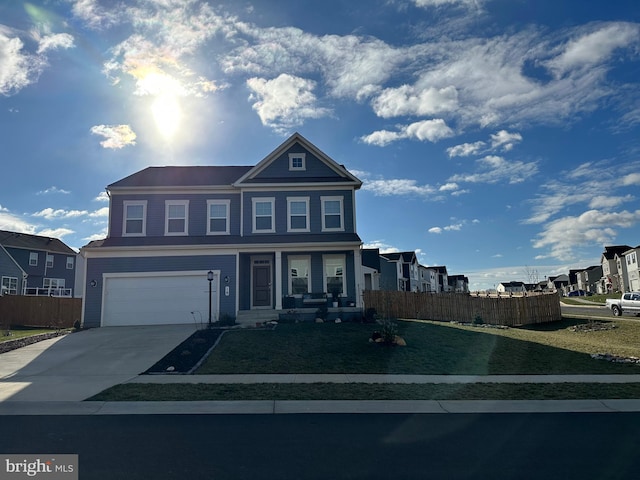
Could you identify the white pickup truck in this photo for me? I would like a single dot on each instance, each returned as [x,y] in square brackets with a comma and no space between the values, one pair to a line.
[629,303]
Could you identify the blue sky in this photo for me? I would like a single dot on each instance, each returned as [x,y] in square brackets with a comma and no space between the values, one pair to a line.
[496,137]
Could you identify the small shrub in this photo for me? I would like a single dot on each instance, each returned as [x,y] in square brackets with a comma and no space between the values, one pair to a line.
[478,320]
[77,325]
[370,315]
[388,332]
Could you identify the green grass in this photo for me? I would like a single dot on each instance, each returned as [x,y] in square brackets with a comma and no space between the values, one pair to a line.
[328,391]
[433,348]
[21,332]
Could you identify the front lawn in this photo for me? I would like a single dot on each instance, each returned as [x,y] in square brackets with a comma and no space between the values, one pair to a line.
[433,348]
[15,333]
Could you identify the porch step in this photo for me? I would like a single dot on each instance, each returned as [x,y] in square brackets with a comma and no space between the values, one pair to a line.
[251,317]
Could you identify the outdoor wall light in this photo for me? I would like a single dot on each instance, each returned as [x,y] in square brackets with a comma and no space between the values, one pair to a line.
[93,283]
[226,279]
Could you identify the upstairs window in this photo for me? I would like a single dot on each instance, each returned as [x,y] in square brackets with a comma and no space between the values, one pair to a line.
[298,214]
[70,263]
[263,221]
[177,213]
[332,214]
[33,259]
[218,222]
[49,260]
[134,219]
[297,161]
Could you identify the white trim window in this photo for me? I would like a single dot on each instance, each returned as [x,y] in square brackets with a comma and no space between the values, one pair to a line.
[218,217]
[176,217]
[332,214]
[334,274]
[53,283]
[297,162]
[299,275]
[49,260]
[263,215]
[133,221]
[33,259]
[297,214]
[9,285]
[70,263]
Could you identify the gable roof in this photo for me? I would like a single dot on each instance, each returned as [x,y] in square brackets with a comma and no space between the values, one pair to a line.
[342,174]
[191,176]
[27,241]
[611,251]
[407,257]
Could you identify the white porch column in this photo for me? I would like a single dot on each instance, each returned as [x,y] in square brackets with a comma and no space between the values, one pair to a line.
[278,280]
[357,263]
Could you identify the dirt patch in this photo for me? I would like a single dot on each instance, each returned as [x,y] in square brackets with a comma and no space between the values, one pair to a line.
[186,356]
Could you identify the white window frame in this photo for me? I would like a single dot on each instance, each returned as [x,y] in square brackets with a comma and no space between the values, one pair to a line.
[8,289]
[291,200]
[294,168]
[323,200]
[53,283]
[167,218]
[49,260]
[254,202]
[307,259]
[133,203]
[33,259]
[227,204]
[70,263]
[343,260]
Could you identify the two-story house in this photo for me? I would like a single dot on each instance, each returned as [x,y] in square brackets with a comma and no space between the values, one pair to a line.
[428,279]
[611,281]
[36,265]
[632,267]
[400,269]
[186,241]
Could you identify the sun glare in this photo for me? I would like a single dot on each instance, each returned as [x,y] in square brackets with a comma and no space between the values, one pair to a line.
[167,114]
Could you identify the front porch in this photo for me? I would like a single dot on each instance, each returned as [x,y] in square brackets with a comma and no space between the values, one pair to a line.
[292,315]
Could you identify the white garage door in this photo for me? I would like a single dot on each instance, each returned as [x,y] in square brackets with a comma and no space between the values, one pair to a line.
[160,298]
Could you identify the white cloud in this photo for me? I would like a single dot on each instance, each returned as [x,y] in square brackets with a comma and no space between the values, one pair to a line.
[12,223]
[51,214]
[52,190]
[117,136]
[55,232]
[101,212]
[382,246]
[593,227]
[631,179]
[54,42]
[93,14]
[496,169]
[390,187]
[609,201]
[440,3]
[465,149]
[448,187]
[435,230]
[409,100]
[285,101]
[595,47]
[102,197]
[505,140]
[431,130]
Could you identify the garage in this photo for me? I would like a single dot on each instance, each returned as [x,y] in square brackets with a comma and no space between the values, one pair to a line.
[158,298]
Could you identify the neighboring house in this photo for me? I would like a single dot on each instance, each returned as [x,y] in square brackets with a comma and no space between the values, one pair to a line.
[558,283]
[589,278]
[406,271]
[611,280]
[458,284]
[36,265]
[371,268]
[428,279]
[511,287]
[442,279]
[631,262]
[285,227]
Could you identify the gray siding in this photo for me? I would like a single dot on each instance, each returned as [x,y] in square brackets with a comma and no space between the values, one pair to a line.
[36,274]
[8,268]
[97,266]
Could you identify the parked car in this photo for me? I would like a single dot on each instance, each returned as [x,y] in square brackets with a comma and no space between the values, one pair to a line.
[577,293]
[629,303]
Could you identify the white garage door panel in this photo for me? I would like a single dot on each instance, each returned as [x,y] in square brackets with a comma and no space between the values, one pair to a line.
[160,299]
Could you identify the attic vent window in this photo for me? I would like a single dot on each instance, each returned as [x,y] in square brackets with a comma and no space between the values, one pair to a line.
[297,162]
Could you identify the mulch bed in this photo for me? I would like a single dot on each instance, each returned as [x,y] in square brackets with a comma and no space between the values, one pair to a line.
[186,356]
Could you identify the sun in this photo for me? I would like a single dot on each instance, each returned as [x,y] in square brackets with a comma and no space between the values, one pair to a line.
[167,114]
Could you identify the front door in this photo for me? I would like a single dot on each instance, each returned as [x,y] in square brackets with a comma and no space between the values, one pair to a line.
[262,284]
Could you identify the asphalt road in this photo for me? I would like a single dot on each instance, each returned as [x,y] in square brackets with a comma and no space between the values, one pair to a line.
[589,311]
[362,446]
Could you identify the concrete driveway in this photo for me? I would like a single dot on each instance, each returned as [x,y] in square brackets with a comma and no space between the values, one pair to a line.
[79,365]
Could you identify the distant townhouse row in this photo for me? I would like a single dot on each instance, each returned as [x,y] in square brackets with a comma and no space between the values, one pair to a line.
[401,271]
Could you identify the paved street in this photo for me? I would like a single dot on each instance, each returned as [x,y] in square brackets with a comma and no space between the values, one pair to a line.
[364,446]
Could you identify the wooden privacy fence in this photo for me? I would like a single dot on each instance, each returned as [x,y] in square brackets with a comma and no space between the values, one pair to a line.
[462,307]
[39,311]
